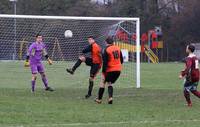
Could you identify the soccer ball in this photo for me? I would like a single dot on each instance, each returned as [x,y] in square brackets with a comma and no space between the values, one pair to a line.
[68,34]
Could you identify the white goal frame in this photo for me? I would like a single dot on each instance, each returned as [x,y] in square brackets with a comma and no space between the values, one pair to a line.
[137,20]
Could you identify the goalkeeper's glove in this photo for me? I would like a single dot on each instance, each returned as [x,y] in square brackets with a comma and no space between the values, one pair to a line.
[26,64]
[50,62]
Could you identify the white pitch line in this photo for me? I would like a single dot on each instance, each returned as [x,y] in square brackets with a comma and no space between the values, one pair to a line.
[106,123]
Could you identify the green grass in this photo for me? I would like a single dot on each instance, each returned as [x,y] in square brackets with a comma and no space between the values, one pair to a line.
[159,103]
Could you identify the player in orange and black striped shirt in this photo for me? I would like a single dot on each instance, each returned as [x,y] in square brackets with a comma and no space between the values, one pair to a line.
[95,62]
[112,66]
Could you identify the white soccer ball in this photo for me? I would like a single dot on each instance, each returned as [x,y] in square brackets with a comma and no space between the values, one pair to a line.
[68,34]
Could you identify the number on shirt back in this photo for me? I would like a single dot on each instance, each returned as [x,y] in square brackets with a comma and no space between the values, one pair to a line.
[115,54]
[196,64]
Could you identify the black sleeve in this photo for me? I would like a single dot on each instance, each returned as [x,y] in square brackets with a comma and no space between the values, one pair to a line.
[46,56]
[105,60]
[27,58]
[121,58]
[87,49]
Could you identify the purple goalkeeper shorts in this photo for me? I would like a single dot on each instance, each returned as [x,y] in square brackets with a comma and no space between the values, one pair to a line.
[37,67]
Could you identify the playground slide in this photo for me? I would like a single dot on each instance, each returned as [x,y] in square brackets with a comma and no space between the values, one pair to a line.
[151,55]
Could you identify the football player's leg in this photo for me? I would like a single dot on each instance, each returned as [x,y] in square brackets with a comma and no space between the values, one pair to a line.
[76,65]
[101,89]
[194,90]
[34,76]
[44,79]
[111,79]
[196,93]
[90,87]
[45,82]
[41,70]
[110,93]
[88,61]
[93,72]
[108,79]
[187,96]
[187,89]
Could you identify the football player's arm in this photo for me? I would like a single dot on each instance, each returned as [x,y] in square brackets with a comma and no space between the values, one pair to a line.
[187,68]
[87,49]
[121,58]
[105,61]
[30,49]
[50,62]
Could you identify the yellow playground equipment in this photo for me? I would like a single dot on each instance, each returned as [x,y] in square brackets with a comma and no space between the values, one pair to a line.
[151,55]
[131,48]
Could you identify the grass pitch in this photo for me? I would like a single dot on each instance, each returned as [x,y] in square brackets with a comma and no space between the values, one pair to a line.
[159,103]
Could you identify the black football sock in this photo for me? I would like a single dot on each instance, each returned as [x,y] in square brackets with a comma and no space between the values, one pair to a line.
[76,65]
[110,91]
[91,84]
[101,91]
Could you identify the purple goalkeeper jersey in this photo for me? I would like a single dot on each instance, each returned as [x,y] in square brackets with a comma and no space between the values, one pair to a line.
[36,51]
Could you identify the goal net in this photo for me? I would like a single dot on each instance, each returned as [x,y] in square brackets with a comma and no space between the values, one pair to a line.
[17,32]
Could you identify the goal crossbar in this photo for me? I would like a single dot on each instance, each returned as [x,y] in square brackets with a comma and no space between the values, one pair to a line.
[68,17]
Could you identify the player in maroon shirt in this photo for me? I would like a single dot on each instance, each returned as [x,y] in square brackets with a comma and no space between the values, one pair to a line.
[191,74]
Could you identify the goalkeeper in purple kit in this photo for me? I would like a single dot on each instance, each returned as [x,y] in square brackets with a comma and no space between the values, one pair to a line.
[34,56]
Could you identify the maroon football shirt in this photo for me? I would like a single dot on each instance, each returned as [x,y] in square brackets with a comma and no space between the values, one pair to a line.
[191,70]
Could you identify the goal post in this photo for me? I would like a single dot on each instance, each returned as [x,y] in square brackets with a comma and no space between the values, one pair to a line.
[125,31]
[138,48]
